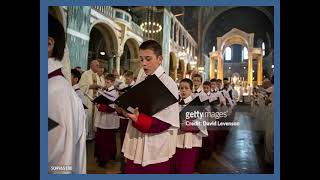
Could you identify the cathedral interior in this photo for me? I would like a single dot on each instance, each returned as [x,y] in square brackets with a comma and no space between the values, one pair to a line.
[234,42]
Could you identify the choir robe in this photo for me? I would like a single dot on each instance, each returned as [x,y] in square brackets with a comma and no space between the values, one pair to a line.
[124,121]
[207,141]
[107,122]
[66,69]
[149,149]
[227,106]
[269,134]
[123,127]
[67,141]
[79,93]
[87,79]
[189,142]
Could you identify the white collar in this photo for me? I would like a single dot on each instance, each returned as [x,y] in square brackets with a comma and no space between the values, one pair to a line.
[199,89]
[187,100]
[53,65]
[158,72]
[76,86]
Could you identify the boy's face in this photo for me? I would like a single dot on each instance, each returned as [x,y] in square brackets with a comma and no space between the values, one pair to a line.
[185,90]
[128,79]
[206,88]
[196,82]
[109,83]
[74,80]
[219,85]
[213,85]
[150,62]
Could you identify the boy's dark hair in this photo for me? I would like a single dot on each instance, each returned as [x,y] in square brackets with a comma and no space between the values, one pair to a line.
[219,81]
[110,77]
[76,74]
[206,83]
[213,80]
[128,74]
[197,75]
[152,45]
[56,31]
[186,80]
[225,79]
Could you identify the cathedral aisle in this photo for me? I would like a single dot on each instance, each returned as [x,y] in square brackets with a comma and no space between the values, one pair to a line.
[242,152]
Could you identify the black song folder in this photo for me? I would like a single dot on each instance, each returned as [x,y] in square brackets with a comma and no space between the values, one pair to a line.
[193,106]
[124,89]
[104,98]
[150,96]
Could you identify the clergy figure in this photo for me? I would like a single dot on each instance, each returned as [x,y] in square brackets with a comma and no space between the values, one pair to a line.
[67,140]
[89,85]
[150,141]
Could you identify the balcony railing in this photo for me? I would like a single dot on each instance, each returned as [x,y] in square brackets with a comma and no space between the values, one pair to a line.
[136,29]
[105,10]
[119,16]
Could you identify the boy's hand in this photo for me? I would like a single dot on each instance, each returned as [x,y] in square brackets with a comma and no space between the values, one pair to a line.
[134,116]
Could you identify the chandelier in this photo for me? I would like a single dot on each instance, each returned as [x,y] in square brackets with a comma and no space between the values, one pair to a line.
[151,27]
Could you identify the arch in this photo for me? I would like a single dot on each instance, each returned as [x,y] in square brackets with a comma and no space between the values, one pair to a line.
[221,10]
[110,33]
[131,63]
[235,36]
[133,47]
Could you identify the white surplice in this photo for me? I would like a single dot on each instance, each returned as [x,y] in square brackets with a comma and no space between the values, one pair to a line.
[67,141]
[153,148]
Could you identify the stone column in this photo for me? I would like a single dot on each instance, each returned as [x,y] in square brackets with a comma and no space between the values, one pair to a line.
[110,65]
[212,65]
[260,70]
[250,68]
[220,68]
[118,64]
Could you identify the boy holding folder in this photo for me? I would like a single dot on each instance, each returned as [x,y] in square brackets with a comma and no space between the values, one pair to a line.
[106,122]
[150,141]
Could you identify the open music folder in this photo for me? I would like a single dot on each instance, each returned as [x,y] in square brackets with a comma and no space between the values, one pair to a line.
[104,98]
[150,96]
[191,112]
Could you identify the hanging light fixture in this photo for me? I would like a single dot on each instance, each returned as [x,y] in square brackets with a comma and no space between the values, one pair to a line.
[150,27]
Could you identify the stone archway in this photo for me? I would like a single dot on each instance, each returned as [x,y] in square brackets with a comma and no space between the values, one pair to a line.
[103,38]
[219,11]
[130,57]
[236,36]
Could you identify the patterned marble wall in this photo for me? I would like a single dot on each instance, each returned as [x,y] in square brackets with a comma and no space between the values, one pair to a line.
[166,41]
[78,25]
